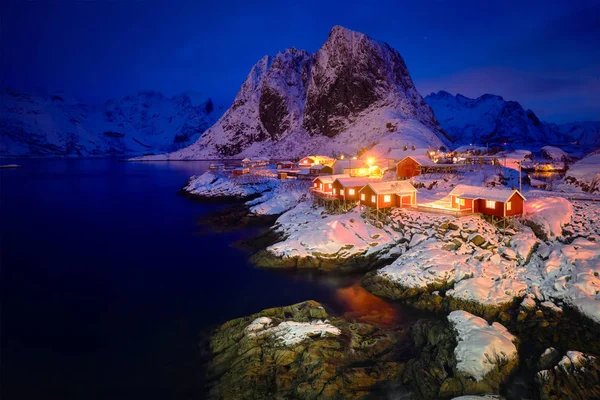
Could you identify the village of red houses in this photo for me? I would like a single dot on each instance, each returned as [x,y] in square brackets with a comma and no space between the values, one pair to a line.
[345,182]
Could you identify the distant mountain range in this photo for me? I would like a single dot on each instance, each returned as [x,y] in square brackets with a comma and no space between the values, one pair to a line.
[146,122]
[489,119]
[353,94]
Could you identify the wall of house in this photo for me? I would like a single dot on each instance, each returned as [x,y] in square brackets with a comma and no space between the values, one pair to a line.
[407,168]
[497,211]
[405,200]
[456,203]
[337,186]
[368,194]
[517,205]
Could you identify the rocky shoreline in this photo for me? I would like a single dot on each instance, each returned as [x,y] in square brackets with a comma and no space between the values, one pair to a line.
[467,267]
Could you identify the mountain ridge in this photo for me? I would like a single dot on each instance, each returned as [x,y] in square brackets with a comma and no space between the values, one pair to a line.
[491,119]
[58,125]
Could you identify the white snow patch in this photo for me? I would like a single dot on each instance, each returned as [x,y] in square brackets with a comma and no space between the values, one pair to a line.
[480,345]
[550,213]
[290,333]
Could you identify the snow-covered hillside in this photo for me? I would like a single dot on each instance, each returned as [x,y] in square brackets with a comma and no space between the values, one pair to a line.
[146,122]
[491,119]
[353,93]
[585,173]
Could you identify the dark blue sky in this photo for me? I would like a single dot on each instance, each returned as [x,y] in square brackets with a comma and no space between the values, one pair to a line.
[545,54]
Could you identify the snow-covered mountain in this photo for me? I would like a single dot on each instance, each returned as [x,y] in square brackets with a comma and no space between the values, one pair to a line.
[354,93]
[491,119]
[146,122]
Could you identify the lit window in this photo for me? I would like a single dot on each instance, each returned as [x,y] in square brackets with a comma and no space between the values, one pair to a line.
[334,191]
[342,192]
[387,198]
[329,186]
[321,185]
[508,206]
[351,192]
[373,200]
[490,204]
[316,184]
[362,196]
[462,202]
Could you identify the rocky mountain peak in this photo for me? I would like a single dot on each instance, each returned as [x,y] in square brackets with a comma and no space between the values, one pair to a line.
[352,73]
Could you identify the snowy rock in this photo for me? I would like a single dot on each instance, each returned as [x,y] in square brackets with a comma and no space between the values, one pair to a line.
[547,216]
[298,351]
[585,173]
[575,377]
[481,347]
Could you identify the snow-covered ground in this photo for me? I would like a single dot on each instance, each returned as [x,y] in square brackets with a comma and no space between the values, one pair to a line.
[481,347]
[585,173]
[290,333]
[309,231]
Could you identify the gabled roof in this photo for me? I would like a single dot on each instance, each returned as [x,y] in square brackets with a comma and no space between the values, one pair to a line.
[351,163]
[476,192]
[423,160]
[320,166]
[391,187]
[285,162]
[358,181]
[330,178]
[318,157]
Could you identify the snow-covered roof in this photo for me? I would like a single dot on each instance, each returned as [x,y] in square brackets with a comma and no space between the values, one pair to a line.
[475,192]
[330,178]
[399,154]
[351,163]
[285,162]
[391,187]
[423,160]
[320,166]
[318,158]
[358,181]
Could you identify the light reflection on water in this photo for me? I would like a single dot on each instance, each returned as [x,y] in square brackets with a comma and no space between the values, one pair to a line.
[363,306]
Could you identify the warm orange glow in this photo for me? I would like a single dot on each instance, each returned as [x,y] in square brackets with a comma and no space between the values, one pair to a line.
[370,161]
[366,307]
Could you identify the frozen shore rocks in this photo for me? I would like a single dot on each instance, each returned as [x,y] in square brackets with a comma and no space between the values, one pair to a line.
[299,351]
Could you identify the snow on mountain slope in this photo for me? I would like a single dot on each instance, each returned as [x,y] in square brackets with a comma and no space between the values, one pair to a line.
[146,122]
[491,119]
[585,173]
[488,118]
[354,93]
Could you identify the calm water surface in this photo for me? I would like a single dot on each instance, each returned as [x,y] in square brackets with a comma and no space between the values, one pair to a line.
[107,282]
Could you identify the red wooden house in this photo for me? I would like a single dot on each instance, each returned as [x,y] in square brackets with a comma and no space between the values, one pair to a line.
[348,188]
[490,201]
[285,165]
[381,195]
[240,171]
[322,186]
[320,170]
[414,165]
[309,161]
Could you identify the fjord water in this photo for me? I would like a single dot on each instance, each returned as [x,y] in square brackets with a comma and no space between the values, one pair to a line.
[107,281]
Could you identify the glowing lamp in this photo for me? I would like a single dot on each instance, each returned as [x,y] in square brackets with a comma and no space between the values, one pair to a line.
[370,161]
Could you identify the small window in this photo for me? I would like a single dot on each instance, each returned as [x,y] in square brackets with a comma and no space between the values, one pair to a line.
[508,206]
[342,192]
[387,198]
[351,192]
[329,186]
[334,191]
[462,202]
[490,204]
[373,199]
[321,186]
[362,196]
[316,184]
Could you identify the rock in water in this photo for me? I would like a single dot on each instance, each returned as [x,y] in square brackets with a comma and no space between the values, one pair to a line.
[299,351]
[577,376]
